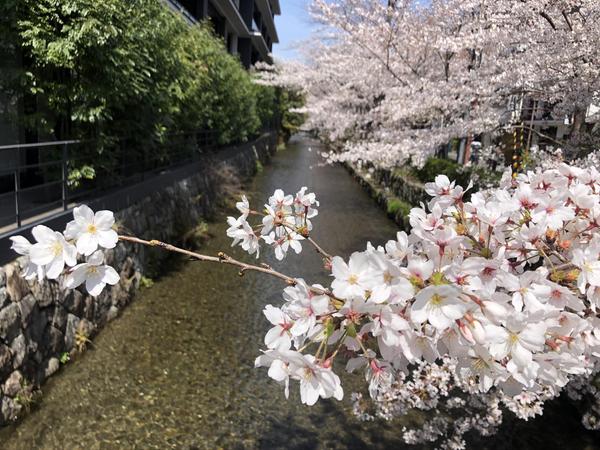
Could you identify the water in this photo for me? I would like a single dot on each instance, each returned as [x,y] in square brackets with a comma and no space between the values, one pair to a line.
[176,369]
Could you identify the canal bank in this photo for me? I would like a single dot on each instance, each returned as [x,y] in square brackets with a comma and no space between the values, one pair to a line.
[42,323]
[176,370]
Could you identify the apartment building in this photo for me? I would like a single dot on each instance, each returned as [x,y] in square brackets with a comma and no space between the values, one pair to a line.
[247,26]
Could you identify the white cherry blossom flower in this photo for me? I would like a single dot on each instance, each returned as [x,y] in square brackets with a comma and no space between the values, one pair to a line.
[94,273]
[589,264]
[518,339]
[303,306]
[243,206]
[22,246]
[51,251]
[91,230]
[282,244]
[351,279]
[280,201]
[438,305]
[278,337]
[317,381]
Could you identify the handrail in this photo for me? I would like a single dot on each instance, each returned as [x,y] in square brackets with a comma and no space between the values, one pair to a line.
[42,185]
[38,145]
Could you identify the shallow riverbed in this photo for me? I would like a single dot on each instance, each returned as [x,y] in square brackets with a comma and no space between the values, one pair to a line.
[176,369]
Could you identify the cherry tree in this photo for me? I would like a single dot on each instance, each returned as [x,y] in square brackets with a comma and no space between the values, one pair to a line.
[394,81]
[487,303]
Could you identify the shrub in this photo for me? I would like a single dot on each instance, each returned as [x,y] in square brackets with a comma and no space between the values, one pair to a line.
[480,176]
[397,207]
[104,69]
[436,166]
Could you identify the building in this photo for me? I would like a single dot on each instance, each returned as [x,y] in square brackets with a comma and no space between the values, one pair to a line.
[247,26]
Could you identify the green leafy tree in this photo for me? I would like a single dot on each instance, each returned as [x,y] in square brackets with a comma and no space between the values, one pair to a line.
[125,76]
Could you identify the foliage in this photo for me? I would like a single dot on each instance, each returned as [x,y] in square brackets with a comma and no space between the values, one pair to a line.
[259,167]
[134,70]
[289,102]
[436,166]
[479,176]
[65,357]
[393,81]
[146,282]
[76,175]
[397,207]
[291,97]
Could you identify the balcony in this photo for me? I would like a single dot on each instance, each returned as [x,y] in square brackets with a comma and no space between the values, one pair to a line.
[260,44]
[267,14]
[230,10]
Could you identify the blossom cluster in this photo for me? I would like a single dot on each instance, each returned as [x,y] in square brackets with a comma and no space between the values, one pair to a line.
[495,294]
[390,82]
[506,284]
[78,249]
[286,221]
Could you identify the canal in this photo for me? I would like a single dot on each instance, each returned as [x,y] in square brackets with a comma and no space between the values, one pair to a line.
[176,369]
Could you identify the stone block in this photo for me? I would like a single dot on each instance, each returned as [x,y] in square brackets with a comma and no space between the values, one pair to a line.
[74,302]
[10,322]
[9,410]
[12,386]
[51,367]
[5,361]
[16,286]
[59,318]
[18,348]
[26,308]
[71,330]
[4,299]
[54,339]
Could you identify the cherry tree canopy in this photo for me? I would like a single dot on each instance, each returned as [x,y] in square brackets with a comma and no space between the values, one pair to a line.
[395,80]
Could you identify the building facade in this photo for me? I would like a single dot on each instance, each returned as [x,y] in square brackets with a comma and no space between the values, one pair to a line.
[247,26]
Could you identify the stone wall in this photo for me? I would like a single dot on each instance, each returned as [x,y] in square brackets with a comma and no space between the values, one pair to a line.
[392,191]
[41,322]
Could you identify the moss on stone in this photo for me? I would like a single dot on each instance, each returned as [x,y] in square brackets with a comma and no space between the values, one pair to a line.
[398,208]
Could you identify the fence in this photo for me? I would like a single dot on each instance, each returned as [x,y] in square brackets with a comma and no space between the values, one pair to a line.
[38,180]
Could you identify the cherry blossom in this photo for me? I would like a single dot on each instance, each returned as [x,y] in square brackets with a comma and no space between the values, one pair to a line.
[22,246]
[439,305]
[278,337]
[351,278]
[94,273]
[489,301]
[91,230]
[51,251]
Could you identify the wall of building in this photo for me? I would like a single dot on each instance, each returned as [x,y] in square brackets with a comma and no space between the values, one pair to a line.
[247,27]
[40,322]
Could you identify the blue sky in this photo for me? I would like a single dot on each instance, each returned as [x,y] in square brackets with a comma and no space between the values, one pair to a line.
[293,26]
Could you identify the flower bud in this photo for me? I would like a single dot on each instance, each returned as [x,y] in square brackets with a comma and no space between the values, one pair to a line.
[478,332]
[465,331]
[551,235]
[565,245]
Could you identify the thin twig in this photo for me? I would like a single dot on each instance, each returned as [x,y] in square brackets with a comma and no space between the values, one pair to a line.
[225,259]
[319,248]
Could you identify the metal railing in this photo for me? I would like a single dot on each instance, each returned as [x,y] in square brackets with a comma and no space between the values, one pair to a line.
[177,7]
[37,179]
